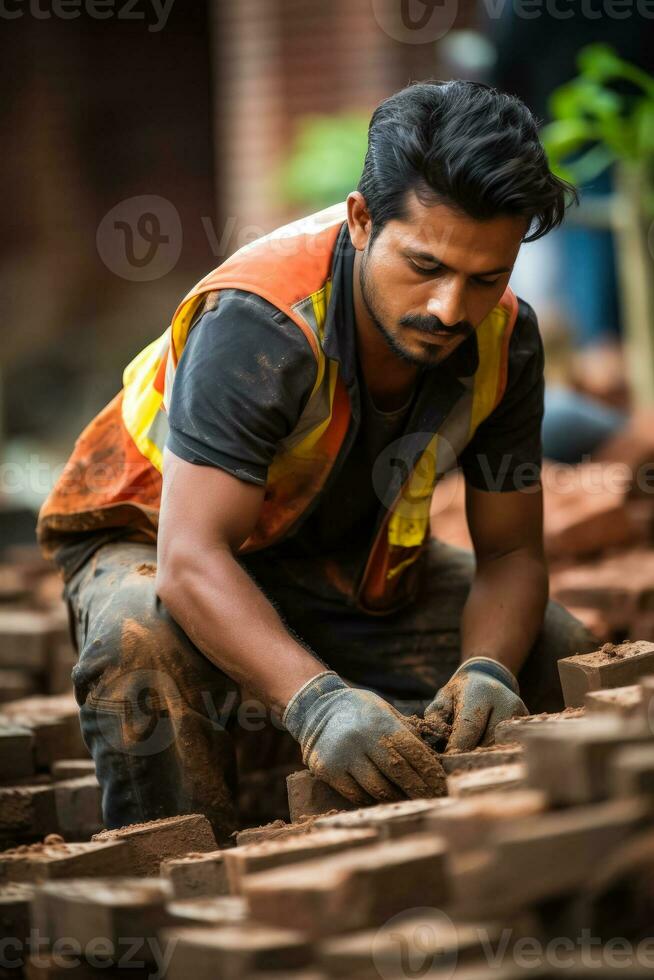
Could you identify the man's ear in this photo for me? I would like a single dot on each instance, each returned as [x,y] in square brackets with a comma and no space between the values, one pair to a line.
[358,220]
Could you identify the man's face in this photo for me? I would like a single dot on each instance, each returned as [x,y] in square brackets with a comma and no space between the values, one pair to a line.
[428,281]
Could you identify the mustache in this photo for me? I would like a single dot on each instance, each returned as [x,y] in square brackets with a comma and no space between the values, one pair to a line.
[431,324]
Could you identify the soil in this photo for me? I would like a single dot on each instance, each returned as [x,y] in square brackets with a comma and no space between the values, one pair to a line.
[146,568]
[433,731]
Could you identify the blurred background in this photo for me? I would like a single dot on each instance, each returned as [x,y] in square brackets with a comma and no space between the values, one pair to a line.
[145,141]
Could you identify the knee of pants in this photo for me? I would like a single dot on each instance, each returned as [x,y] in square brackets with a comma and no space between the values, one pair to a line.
[134,654]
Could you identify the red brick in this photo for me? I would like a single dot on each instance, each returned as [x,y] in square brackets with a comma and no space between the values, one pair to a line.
[222,910]
[151,843]
[277,830]
[355,890]
[242,861]
[15,914]
[43,862]
[233,952]
[481,758]
[619,585]
[631,771]
[27,810]
[570,763]
[515,730]
[72,768]
[610,666]
[197,874]
[16,684]
[104,909]
[390,820]
[626,702]
[539,858]
[16,752]
[470,822]
[54,720]
[79,807]
[26,637]
[511,776]
[309,797]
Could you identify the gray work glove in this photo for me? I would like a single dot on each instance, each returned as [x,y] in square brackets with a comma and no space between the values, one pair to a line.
[480,694]
[359,744]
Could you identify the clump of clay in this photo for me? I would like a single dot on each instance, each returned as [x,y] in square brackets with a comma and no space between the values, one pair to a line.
[433,731]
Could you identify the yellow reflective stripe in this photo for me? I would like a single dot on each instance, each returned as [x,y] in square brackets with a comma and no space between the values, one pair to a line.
[396,569]
[490,334]
[409,521]
[141,401]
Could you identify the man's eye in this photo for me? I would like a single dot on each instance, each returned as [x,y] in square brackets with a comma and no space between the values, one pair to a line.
[426,270]
[488,282]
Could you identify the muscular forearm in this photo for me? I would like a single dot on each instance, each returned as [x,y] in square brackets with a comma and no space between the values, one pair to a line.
[504,610]
[232,622]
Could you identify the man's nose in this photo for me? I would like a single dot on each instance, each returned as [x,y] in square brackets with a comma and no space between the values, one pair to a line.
[448,303]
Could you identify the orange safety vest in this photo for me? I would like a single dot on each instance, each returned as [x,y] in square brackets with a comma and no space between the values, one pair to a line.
[113,477]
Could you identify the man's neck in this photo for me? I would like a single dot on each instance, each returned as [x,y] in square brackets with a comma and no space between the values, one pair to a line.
[388,378]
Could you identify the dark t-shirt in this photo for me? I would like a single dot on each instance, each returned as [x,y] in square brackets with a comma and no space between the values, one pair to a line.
[242,382]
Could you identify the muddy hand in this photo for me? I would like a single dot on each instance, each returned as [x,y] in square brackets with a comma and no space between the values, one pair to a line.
[359,744]
[479,695]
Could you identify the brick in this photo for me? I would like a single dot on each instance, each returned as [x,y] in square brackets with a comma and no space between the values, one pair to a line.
[631,771]
[310,797]
[509,777]
[61,660]
[539,858]
[277,830]
[610,666]
[409,945]
[45,862]
[390,820]
[647,693]
[220,910]
[16,684]
[197,874]
[232,952]
[515,730]
[470,822]
[117,912]
[79,807]
[58,966]
[242,861]
[72,768]
[16,752]
[27,810]
[151,843]
[481,758]
[26,637]
[626,702]
[15,913]
[619,585]
[355,890]
[570,763]
[54,720]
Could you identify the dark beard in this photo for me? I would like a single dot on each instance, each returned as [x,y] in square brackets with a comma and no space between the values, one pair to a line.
[391,340]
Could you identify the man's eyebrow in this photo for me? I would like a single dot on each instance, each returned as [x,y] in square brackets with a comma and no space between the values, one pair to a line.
[428,257]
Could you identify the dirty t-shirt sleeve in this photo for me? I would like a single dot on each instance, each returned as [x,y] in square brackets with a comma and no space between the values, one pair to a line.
[242,382]
[506,450]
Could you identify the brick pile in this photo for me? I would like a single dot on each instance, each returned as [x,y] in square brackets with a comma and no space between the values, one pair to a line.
[545,837]
[599,532]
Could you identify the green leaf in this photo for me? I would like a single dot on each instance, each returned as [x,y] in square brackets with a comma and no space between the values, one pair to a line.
[326,159]
[563,137]
[600,62]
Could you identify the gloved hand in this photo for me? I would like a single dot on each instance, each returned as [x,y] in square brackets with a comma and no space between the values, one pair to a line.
[359,744]
[480,694]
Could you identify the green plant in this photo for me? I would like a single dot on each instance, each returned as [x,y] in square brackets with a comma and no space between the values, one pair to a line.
[604,115]
[326,159]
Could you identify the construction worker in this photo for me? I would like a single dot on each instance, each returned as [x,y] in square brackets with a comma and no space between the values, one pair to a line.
[251,513]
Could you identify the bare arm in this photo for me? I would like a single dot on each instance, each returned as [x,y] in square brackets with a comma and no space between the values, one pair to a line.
[505,608]
[206,514]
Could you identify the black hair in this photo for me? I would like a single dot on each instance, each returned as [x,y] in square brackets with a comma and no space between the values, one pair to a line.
[467,145]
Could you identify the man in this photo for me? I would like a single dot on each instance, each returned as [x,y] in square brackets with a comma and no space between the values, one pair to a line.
[251,512]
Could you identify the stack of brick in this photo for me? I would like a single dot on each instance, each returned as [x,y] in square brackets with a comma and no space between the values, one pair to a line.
[512,862]
[599,531]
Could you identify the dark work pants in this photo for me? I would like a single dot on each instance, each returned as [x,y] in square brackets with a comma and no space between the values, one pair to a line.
[162,722]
